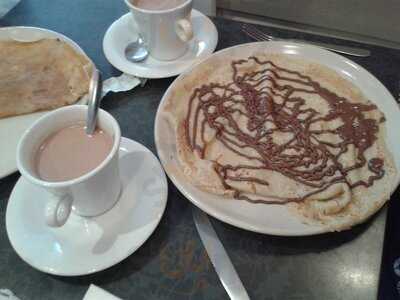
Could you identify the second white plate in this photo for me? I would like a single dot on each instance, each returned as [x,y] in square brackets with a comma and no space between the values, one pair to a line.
[12,128]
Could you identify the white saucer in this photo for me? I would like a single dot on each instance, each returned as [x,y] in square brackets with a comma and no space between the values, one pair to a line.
[83,246]
[123,31]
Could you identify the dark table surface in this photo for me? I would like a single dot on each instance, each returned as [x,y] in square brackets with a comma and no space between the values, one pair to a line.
[173,264]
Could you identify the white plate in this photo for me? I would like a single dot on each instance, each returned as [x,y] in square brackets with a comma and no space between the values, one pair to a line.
[123,31]
[12,128]
[87,245]
[273,219]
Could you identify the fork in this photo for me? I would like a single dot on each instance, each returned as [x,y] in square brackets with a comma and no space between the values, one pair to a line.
[259,35]
[398,95]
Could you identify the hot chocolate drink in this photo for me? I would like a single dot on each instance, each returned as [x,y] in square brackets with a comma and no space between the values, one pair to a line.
[70,153]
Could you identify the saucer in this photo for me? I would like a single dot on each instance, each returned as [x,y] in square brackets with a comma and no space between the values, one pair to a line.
[87,245]
[124,30]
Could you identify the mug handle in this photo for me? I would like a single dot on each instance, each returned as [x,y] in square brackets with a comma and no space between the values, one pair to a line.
[58,209]
[184,30]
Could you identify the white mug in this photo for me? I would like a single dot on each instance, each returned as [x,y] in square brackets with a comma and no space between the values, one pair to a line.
[88,195]
[166,33]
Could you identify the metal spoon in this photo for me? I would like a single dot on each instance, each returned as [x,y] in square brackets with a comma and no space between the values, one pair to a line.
[136,51]
[95,89]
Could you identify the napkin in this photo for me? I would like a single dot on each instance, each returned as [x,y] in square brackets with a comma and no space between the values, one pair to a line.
[96,293]
[122,83]
[6,6]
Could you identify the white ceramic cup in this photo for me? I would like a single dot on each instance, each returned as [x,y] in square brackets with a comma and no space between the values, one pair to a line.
[88,195]
[166,33]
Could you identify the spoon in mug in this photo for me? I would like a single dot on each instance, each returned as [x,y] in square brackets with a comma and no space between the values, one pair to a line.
[136,51]
[95,89]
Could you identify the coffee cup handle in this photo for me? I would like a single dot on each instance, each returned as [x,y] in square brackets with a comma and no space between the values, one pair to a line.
[184,30]
[58,209]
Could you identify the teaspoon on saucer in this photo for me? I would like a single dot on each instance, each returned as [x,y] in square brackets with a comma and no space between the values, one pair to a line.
[136,51]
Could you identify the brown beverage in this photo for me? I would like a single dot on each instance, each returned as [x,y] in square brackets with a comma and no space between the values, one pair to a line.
[70,153]
[157,4]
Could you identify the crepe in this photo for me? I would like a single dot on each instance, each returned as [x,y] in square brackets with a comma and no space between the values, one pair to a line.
[269,129]
[40,75]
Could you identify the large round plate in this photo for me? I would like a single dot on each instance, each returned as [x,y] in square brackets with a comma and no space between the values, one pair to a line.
[12,128]
[273,219]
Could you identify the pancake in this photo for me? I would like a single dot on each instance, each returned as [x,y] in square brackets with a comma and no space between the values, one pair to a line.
[269,129]
[41,75]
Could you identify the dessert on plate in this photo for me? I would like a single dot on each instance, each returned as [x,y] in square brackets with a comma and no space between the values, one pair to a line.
[273,130]
[41,75]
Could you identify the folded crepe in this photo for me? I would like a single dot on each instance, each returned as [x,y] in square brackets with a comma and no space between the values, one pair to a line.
[40,75]
[270,129]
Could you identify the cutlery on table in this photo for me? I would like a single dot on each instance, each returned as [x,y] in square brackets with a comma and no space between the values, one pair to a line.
[136,51]
[218,256]
[398,95]
[258,35]
[95,89]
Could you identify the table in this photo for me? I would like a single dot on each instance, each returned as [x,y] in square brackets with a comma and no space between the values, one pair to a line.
[173,264]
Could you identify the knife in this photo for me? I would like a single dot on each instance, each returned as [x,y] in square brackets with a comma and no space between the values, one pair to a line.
[218,256]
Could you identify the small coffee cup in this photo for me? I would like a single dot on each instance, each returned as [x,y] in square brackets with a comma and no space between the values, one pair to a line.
[166,33]
[89,195]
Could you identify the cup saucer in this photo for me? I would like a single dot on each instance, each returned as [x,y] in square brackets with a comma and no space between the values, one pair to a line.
[87,245]
[123,31]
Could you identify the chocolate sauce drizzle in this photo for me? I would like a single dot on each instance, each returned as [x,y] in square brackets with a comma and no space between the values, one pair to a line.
[266,97]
